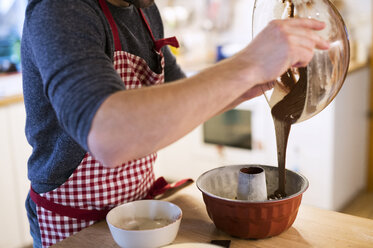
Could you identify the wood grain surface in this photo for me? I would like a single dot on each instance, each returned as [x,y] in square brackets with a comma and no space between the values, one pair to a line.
[8,100]
[313,228]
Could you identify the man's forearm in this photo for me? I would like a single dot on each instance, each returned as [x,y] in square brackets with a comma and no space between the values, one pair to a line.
[131,124]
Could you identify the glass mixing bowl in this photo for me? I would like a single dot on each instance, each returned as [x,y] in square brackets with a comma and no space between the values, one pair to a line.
[327,71]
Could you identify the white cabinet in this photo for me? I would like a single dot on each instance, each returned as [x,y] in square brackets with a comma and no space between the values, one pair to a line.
[21,151]
[330,149]
[14,185]
[8,214]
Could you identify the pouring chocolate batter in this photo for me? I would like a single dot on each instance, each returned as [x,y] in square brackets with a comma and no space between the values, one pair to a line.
[301,93]
[286,112]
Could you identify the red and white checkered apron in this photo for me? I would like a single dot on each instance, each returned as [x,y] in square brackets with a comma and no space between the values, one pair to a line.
[93,189]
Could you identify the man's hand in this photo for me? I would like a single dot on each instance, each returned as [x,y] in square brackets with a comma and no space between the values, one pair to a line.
[282,44]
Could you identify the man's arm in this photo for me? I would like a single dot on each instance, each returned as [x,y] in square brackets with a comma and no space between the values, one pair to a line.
[131,124]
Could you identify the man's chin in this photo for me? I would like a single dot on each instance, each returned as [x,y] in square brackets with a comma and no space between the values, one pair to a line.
[141,3]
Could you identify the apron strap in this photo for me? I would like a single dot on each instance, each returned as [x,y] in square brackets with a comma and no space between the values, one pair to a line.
[159,187]
[172,41]
[158,44]
[114,29]
[80,214]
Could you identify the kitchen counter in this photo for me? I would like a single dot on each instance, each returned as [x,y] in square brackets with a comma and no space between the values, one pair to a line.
[8,100]
[10,89]
[313,228]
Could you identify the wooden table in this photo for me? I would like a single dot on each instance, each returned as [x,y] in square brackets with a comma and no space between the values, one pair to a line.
[313,228]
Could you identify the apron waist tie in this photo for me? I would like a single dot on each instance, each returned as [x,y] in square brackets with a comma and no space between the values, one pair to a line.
[172,41]
[159,187]
[77,213]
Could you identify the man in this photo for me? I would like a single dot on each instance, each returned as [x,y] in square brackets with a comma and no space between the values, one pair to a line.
[95,127]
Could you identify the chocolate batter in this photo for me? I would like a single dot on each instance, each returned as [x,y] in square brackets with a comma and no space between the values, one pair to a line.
[285,113]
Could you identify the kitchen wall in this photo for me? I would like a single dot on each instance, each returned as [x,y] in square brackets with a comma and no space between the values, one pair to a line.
[358,19]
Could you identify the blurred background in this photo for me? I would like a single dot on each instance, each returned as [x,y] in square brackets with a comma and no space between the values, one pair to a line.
[11,12]
[333,149]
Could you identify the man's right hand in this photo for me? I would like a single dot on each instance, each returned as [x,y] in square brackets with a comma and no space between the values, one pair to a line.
[282,44]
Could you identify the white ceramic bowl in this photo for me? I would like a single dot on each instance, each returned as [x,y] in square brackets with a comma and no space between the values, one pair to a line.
[144,224]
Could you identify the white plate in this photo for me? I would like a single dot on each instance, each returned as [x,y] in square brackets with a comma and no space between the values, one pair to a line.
[192,245]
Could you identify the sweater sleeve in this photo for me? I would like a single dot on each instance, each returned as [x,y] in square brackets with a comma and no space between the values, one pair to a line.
[172,69]
[68,43]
